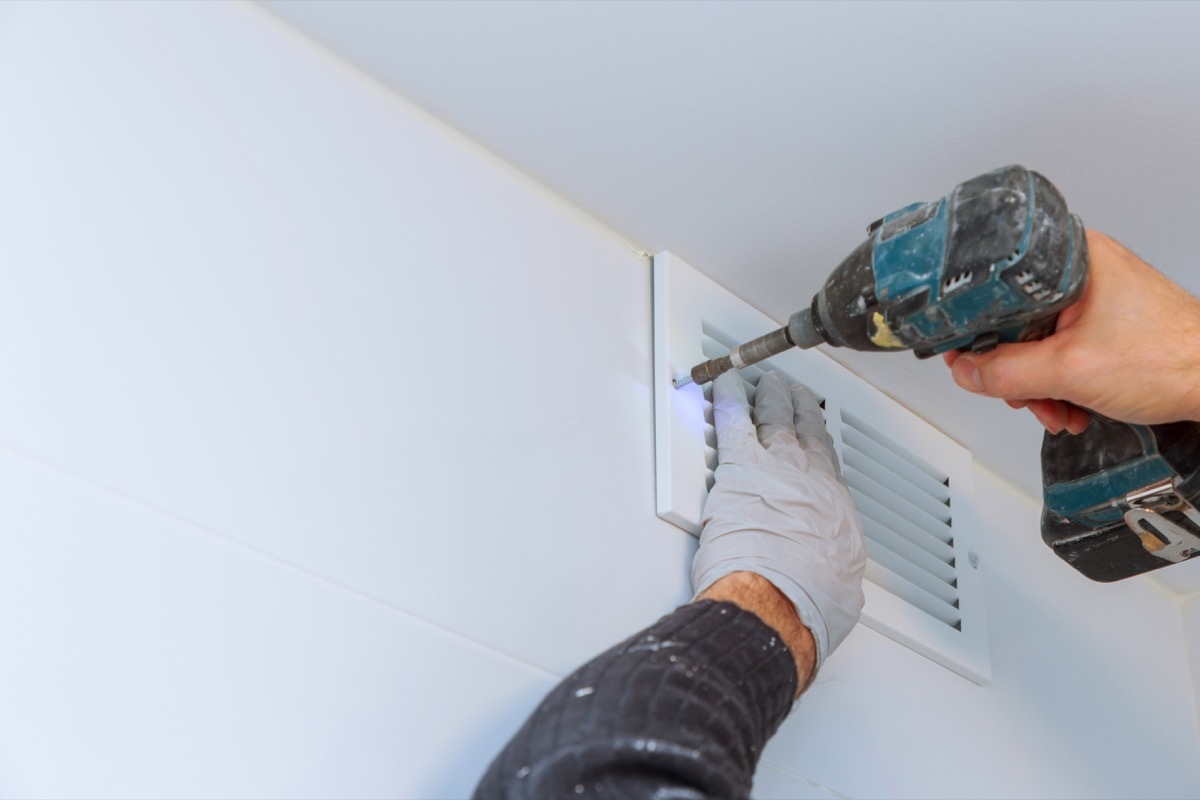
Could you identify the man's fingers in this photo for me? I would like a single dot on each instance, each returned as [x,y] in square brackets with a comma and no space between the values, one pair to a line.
[809,422]
[1077,419]
[1057,416]
[1011,371]
[966,374]
[1051,413]
[731,417]
[773,416]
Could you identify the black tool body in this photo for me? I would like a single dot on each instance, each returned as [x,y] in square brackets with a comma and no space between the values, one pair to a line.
[1119,499]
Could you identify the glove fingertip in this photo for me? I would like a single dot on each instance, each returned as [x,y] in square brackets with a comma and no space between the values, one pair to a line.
[805,401]
[731,416]
[774,379]
[729,387]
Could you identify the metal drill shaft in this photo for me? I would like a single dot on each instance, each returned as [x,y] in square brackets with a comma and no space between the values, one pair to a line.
[751,352]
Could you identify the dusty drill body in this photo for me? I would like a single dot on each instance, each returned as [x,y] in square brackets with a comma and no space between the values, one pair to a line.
[995,261]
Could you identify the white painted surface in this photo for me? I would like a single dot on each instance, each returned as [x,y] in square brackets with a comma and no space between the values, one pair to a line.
[1190,611]
[773,783]
[146,657]
[258,545]
[757,140]
[359,349]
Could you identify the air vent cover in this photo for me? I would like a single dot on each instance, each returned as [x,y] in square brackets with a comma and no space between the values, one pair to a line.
[911,484]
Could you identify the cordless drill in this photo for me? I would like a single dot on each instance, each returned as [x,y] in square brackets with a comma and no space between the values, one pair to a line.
[996,260]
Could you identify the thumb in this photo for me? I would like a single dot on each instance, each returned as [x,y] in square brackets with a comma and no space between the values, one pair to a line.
[1022,371]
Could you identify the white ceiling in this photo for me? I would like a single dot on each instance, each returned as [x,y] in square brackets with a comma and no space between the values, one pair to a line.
[757,139]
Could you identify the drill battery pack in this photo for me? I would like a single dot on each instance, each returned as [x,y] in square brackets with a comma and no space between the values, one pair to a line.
[1121,499]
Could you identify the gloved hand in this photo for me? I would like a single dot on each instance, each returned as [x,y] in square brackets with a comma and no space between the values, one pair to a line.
[779,507]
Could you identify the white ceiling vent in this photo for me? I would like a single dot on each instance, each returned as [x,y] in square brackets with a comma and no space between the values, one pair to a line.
[911,484]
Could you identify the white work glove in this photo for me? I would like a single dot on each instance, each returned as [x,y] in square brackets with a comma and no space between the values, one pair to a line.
[779,507]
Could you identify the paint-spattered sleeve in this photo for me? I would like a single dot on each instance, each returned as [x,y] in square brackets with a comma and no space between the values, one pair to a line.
[680,710]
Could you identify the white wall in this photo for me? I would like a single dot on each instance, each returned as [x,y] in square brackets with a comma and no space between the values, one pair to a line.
[326,446]
[1191,632]
[1091,684]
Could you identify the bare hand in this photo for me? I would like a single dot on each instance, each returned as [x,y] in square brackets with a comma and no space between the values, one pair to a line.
[1129,349]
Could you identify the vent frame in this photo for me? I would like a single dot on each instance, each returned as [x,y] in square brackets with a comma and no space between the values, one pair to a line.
[695,319]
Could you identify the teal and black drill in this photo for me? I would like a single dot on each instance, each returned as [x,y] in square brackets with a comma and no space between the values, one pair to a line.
[994,261]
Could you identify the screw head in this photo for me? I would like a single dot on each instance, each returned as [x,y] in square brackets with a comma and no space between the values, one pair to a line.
[973,559]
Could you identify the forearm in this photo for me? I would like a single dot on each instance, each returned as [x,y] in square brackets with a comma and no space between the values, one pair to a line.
[755,594]
[686,705]
[684,708]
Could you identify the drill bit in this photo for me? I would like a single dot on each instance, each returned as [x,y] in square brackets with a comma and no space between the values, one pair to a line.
[743,355]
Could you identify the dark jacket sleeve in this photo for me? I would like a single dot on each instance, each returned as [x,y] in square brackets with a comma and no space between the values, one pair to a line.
[680,710]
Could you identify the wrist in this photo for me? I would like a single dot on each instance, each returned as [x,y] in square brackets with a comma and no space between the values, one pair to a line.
[1188,376]
[756,594]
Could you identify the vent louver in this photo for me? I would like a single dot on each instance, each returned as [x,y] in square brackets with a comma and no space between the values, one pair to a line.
[911,485]
[902,500]
[904,506]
